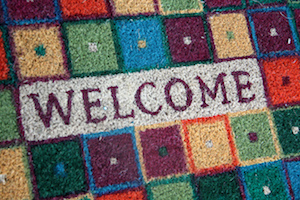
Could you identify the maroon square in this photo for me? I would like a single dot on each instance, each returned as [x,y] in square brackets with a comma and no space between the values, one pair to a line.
[193,49]
[273,31]
[113,160]
[163,151]
[222,3]
[30,9]
[297,19]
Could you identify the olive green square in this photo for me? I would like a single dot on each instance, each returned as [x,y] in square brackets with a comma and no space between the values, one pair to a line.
[8,117]
[253,123]
[180,5]
[84,59]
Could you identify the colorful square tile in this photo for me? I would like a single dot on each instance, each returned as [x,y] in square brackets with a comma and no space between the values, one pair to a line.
[5,73]
[210,144]
[31,10]
[273,31]
[287,123]
[162,150]
[8,117]
[112,161]
[225,5]
[174,188]
[282,79]
[167,7]
[187,39]
[136,194]
[254,137]
[252,2]
[223,186]
[129,7]
[15,177]
[38,51]
[265,181]
[58,168]
[293,171]
[230,35]
[91,47]
[142,43]
[83,9]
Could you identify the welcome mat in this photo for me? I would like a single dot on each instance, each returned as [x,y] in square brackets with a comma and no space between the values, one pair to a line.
[149,99]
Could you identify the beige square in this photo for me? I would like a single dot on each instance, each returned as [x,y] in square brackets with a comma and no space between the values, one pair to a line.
[142,44]
[29,62]
[209,144]
[133,7]
[16,184]
[231,35]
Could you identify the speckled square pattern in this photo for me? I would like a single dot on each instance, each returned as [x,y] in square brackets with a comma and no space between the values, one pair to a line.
[149,99]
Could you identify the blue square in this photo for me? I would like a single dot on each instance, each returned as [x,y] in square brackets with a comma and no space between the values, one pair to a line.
[264,181]
[112,161]
[142,43]
[273,32]
[293,169]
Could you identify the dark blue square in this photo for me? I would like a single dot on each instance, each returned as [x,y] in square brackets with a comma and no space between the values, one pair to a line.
[142,43]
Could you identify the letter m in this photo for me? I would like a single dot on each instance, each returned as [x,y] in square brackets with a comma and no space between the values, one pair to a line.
[52,101]
[213,94]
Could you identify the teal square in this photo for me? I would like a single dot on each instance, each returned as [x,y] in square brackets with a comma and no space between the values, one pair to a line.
[223,186]
[59,168]
[180,5]
[286,120]
[253,2]
[259,124]
[265,181]
[174,188]
[8,117]
[91,47]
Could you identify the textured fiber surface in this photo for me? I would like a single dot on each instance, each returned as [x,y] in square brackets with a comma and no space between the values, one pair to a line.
[149,99]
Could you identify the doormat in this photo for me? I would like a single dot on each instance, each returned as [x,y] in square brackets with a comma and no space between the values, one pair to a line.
[149,99]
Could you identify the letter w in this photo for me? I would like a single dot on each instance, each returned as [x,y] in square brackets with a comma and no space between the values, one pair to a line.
[46,118]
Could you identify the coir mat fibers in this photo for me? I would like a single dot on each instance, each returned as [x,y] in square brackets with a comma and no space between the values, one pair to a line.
[149,99]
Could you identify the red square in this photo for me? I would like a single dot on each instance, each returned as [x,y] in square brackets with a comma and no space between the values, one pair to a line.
[79,8]
[4,69]
[282,76]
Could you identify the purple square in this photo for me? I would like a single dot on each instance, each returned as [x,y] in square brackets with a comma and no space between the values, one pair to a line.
[30,9]
[113,160]
[297,19]
[273,32]
[163,151]
[187,39]
[222,3]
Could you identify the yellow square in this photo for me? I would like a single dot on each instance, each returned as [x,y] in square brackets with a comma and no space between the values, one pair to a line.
[230,35]
[16,184]
[209,144]
[38,52]
[133,7]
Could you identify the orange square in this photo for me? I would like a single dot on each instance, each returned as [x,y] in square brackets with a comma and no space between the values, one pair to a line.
[4,70]
[131,194]
[210,145]
[71,8]
[282,77]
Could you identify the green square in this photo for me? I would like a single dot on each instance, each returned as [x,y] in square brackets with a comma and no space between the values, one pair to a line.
[59,169]
[180,5]
[252,2]
[223,186]
[91,47]
[174,188]
[8,117]
[265,181]
[285,120]
[253,123]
